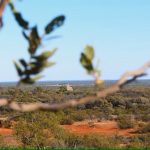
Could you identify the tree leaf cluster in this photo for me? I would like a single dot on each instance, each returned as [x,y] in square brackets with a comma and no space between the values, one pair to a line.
[37,64]
[29,71]
[86,60]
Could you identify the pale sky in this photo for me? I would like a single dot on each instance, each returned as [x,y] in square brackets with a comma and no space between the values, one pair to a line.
[119,30]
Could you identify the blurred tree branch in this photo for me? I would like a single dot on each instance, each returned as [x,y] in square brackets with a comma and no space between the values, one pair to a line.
[125,79]
[2,7]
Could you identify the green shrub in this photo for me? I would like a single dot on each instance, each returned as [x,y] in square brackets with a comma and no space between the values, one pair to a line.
[79,115]
[139,141]
[125,121]
[42,130]
[62,89]
[75,114]
[67,121]
[145,129]
[99,141]
[36,129]
[145,117]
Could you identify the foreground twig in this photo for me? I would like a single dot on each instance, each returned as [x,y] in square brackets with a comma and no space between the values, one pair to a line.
[126,78]
[2,7]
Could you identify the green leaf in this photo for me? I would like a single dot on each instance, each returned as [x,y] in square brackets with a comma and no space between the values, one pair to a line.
[23,23]
[23,62]
[46,64]
[18,68]
[89,52]
[28,80]
[84,60]
[42,64]
[55,23]
[35,78]
[49,64]
[86,63]
[34,41]
[35,69]
[45,55]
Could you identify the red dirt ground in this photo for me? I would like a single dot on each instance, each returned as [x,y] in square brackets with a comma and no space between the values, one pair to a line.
[82,127]
[104,128]
[5,131]
[8,137]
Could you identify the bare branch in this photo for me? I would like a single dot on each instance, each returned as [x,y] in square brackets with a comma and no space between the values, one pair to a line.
[126,78]
[2,6]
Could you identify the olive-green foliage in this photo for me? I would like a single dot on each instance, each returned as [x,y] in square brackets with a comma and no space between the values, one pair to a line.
[62,89]
[103,109]
[145,128]
[45,133]
[67,121]
[139,141]
[29,71]
[98,141]
[39,130]
[86,61]
[125,121]
[79,115]
[87,57]
[143,117]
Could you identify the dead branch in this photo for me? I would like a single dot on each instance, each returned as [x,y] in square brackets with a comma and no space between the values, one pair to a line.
[2,6]
[125,79]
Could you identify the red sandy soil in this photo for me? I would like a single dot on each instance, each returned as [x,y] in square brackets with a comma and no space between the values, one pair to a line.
[104,128]
[5,131]
[7,136]
[82,127]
